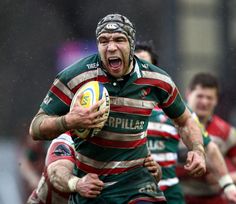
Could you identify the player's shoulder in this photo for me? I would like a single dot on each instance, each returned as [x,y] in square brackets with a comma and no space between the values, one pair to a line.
[146,66]
[63,138]
[218,127]
[81,66]
[218,121]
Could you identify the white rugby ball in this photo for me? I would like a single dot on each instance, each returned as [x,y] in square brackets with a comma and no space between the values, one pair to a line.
[93,91]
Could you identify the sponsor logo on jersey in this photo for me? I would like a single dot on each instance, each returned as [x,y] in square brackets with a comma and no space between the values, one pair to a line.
[125,123]
[145,92]
[154,145]
[145,66]
[47,100]
[92,66]
[62,150]
[150,187]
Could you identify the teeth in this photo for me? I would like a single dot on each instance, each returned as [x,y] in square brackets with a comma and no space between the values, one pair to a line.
[113,58]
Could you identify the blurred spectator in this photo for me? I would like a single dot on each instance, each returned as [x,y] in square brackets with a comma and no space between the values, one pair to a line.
[202,97]
[145,50]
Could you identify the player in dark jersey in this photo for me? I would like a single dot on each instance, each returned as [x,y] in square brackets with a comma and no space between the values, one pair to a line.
[163,140]
[202,97]
[117,153]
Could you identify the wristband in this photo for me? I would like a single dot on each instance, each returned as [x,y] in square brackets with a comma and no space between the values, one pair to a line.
[225,181]
[61,124]
[72,183]
[229,187]
[199,147]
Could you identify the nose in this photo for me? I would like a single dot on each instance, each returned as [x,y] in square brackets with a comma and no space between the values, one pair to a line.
[111,46]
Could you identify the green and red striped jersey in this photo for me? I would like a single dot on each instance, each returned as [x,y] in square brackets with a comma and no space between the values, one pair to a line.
[121,145]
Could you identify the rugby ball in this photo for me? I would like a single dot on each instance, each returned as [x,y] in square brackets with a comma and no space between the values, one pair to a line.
[92,91]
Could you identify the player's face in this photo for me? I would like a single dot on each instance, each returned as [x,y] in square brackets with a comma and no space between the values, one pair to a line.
[114,49]
[144,55]
[203,101]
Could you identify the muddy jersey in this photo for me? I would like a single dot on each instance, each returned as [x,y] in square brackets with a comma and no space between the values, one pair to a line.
[60,148]
[163,142]
[121,145]
[224,135]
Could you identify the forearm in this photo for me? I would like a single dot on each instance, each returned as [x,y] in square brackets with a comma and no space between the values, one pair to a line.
[189,130]
[215,161]
[218,168]
[47,127]
[59,173]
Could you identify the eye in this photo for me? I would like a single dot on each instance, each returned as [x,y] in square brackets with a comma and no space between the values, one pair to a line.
[103,41]
[121,39]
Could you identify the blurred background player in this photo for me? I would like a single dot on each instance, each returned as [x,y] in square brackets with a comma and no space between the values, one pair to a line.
[31,160]
[145,50]
[163,140]
[202,97]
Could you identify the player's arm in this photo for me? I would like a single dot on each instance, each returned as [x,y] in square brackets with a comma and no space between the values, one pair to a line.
[61,177]
[191,135]
[45,126]
[217,166]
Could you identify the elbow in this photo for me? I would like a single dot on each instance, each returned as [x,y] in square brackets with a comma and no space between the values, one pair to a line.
[31,133]
[34,131]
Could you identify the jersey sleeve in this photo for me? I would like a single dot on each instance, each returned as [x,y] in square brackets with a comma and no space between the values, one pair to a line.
[59,97]
[61,148]
[171,101]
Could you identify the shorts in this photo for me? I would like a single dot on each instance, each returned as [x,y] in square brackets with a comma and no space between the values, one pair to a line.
[174,195]
[132,186]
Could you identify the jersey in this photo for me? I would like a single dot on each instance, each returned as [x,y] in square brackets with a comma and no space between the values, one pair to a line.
[224,135]
[120,147]
[60,148]
[163,142]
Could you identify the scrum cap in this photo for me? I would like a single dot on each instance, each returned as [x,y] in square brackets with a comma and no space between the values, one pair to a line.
[118,23]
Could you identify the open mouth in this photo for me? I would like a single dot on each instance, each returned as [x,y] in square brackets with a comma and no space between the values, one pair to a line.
[114,62]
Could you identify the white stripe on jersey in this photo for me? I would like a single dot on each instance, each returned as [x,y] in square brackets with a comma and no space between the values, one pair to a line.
[162,127]
[168,182]
[65,138]
[162,157]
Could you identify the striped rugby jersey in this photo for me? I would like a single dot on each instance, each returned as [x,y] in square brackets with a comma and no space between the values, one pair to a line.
[121,145]
[163,142]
